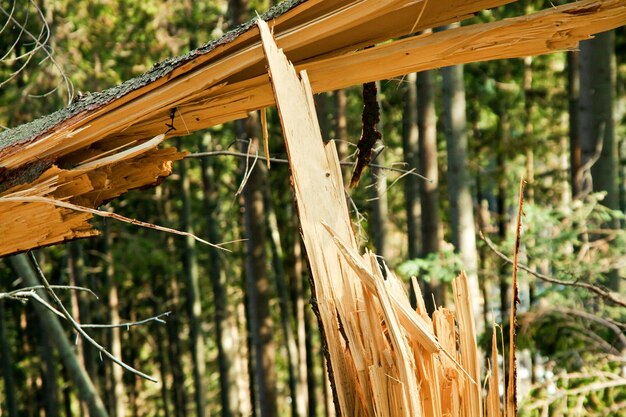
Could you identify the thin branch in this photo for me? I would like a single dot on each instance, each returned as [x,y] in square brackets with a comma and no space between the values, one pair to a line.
[70,206]
[77,326]
[130,324]
[26,291]
[248,169]
[511,389]
[285,161]
[605,294]
[40,44]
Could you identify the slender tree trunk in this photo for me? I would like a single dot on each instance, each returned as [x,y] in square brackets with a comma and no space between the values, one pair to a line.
[411,157]
[50,378]
[194,304]
[503,136]
[7,366]
[341,127]
[431,228]
[75,268]
[75,371]
[298,391]
[573,95]
[226,331]
[160,358]
[118,399]
[258,280]
[597,132]
[175,352]
[322,103]
[459,191]
[410,149]
[301,309]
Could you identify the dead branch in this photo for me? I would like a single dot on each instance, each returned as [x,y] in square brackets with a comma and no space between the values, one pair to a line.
[40,42]
[129,324]
[77,326]
[605,294]
[101,213]
[285,161]
[22,294]
[511,391]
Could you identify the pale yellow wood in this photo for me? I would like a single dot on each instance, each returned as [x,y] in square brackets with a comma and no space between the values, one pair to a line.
[468,348]
[540,33]
[385,357]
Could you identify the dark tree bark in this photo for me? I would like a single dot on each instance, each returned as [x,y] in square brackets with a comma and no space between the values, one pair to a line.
[411,157]
[380,206]
[257,278]
[118,392]
[50,380]
[459,190]
[194,303]
[597,125]
[573,95]
[298,391]
[226,331]
[431,228]
[7,366]
[341,131]
[503,134]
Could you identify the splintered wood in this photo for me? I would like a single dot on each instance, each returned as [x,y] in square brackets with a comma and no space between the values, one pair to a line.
[385,358]
[339,43]
[26,225]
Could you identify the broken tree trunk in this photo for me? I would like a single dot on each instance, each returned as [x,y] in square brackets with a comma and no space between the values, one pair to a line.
[106,143]
[385,359]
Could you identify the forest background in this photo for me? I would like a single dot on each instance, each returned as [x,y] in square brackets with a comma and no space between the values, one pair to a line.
[241,338]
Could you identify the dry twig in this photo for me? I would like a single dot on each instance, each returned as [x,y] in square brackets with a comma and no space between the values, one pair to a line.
[605,294]
[285,161]
[77,326]
[70,206]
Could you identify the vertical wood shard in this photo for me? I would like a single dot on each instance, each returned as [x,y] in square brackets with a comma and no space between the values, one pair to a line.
[386,359]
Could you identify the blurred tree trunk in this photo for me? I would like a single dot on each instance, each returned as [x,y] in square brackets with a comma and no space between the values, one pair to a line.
[411,157]
[298,390]
[431,228]
[459,192]
[118,397]
[597,131]
[174,346]
[50,380]
[410,149]
[322,105]
[75,274]
[7,366]
[75,370]
[341,131]
[502,135]
[257,277]
[573,95]
[194,303]
[226,331]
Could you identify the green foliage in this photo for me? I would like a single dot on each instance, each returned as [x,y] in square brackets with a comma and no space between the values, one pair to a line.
[444,265]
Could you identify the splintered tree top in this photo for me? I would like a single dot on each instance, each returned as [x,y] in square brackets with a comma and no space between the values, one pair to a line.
[107,143]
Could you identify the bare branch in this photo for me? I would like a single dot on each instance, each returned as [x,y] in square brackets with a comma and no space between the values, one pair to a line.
[26,292]
[285,161]
[605,294]
[78,327]
[158,319]
[40,42]
[65,204]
